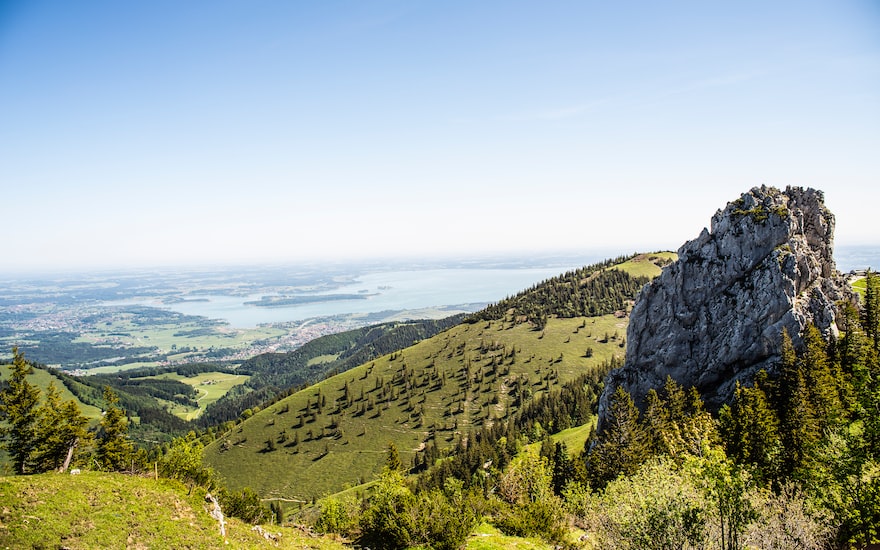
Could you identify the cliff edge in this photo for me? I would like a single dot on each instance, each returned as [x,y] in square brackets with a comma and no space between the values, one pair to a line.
[716,315]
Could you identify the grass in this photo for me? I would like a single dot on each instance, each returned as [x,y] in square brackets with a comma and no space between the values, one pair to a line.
[575,438]
[432,392]
[860,285]
[101,510]
[211,387]
[645,265]
[487,537]
[43,378]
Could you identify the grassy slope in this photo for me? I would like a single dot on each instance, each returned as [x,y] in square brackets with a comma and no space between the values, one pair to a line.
[99,510]
[210,385]
[343,446]
[356,448]
[643,264]
[43,378]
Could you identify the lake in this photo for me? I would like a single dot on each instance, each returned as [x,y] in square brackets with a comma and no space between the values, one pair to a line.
[401,289]
[382,291]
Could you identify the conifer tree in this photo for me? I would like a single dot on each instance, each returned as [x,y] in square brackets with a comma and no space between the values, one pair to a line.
[750,430]
[563,468]
[656,423]
[822,386]
[19,409]
[872,308]
[621,447]
[61,430]
[392,462]
[114,447]
[799,430]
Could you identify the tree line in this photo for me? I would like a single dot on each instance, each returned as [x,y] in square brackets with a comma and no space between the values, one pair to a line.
[586,292]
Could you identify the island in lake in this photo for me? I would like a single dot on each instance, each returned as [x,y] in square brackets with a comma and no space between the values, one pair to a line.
[300,299]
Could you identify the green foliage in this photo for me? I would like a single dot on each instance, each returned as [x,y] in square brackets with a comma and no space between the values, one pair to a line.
[244,505]
[60,432]
[726,487]
[622,446]
[396,518]
[19,409]
[750,430]
[114,448]
[530,507]
[387,523]
[338,515]
[659,507]
[183,461]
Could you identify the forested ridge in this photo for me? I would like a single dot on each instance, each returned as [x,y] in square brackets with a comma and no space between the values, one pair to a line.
[586,292]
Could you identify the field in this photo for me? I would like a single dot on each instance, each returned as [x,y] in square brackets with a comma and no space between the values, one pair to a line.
[335,434]
[210,385]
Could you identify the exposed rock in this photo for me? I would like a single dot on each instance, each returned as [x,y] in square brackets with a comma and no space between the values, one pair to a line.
[716,315]
[217,513]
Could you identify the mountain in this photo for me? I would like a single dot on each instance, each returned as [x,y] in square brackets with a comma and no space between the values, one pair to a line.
[427,397]
[274,374]
[716,315]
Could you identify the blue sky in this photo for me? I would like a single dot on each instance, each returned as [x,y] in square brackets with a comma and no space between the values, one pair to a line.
[156,133]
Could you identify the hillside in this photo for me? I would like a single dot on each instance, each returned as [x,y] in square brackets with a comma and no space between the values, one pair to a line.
[103,510]
[42,378]
[335,434]
[271,374]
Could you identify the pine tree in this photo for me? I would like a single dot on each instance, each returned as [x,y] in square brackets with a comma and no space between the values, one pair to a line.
[60,431]
[19,408]
[114,448]
[872,308]
[392,462]
[822,386]
[622,446]
[799,429]
[656,423]
[750,430]
[563,468]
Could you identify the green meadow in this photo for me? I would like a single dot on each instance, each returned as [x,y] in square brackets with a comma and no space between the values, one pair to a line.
[335,434]
[42,378]
[210,385]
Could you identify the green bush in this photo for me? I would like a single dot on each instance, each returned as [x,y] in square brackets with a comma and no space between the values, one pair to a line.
[338,515]
[244,505]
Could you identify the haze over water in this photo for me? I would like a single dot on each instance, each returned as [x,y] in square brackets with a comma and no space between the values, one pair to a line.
[384,291]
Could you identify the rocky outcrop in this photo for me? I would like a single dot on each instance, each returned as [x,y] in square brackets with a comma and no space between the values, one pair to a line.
[716,315]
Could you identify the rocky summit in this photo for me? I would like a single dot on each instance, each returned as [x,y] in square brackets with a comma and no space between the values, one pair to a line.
[716,315]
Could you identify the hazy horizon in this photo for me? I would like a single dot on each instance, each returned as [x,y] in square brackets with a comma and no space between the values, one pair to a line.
[217,133]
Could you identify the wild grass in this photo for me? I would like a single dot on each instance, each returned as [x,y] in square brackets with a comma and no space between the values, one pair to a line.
[645,265]
[42,379]
[320,440]
[487,537]
[101,510]
[210,385]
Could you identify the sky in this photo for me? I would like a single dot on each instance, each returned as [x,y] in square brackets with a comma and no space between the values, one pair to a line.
[231,132]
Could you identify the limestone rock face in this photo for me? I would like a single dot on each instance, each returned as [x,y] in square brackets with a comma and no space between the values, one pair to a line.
[716,315]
